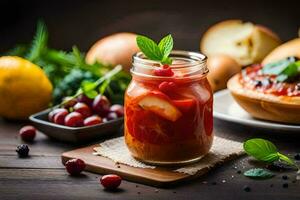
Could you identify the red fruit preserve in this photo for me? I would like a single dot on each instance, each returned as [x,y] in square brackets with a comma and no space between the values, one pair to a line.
[168,116]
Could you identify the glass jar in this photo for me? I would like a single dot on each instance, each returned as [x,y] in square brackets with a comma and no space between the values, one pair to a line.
[168,119]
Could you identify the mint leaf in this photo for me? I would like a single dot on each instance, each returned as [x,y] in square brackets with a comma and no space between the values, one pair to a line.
[166,46]
[149,48]
[258,173]
[156,52]
[261,149]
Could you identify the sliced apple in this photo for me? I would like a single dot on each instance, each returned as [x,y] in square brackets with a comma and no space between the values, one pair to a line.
[184,104]
[159,104]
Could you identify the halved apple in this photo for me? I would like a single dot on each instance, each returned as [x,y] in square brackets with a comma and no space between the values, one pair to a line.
[159,104]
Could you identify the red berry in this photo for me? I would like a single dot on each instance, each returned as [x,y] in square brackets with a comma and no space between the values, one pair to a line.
[59,118]
[101,105]
[75,166]
[27,133]
[118,109]
[166,66]
[84,99]
[54,112]
[93,120]
[167,86]
[112,116]
[69,102]
[165,71]
[83,109]
[110,181]
[74,119]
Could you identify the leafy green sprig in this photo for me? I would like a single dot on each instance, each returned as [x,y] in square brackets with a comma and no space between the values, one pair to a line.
[157,52]
[266,151]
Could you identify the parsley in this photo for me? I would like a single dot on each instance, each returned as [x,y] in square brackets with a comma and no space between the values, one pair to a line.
[158,52]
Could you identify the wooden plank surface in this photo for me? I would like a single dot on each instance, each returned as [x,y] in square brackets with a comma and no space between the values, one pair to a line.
[42,176]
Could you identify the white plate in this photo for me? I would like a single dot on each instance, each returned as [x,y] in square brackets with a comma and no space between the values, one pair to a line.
[227,109]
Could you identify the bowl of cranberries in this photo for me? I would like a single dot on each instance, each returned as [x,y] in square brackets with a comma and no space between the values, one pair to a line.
[80,119]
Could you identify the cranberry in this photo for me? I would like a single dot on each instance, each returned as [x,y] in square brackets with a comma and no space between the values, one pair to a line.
[112,116]
[22,150]
[110,181]
[84,99]
[74,119]
[164,71]
[69,102]
[27,133]
[75,166]
[54,112]
[83,109]
[118,109]
[166,86]
[101,105]
[59,118]
[93,120]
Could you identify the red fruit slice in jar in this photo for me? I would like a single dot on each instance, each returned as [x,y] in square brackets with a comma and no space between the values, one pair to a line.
[184,104]
[160,104]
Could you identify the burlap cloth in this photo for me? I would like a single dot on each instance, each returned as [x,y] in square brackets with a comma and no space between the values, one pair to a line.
[222,150]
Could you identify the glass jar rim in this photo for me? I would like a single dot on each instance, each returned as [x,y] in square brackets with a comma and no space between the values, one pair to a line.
[193,61]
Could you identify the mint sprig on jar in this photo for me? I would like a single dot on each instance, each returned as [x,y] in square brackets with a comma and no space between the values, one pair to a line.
[168,104]
[158,52]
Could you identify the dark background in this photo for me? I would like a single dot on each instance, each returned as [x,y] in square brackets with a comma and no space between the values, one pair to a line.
[83,22]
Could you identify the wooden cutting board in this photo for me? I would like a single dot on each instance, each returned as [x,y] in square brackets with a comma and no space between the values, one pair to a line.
[159,177]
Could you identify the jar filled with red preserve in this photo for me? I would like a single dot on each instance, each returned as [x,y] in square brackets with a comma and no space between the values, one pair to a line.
[168,109]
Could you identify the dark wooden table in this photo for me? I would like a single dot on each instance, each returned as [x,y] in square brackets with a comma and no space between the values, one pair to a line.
[42,176]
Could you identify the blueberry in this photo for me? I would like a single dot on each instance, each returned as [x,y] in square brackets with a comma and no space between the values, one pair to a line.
[22,150]
[284,177]
[247,188]
[297,156]
[285,185]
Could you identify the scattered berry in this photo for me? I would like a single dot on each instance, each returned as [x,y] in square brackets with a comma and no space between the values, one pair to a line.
[83,109]
[75,166]
[118,109]
[239,171]
[93,120]
[285,185]
[271,185]
[59,118]
[214,183]
[22,150]
[247,188]
[74,119]
[284,177]
[297,156]
[27,133]
[110,181]
[101,105]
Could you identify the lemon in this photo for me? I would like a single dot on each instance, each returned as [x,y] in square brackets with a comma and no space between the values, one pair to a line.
[24,88]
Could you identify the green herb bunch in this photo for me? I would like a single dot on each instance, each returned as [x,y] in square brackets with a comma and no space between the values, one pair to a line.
[68,70]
